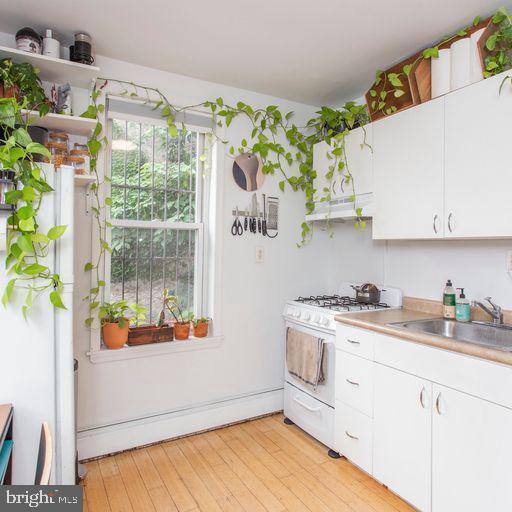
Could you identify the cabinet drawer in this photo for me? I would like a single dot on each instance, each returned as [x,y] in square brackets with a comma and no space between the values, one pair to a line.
[353,436]
[354,382]
[355,341]
[311,415]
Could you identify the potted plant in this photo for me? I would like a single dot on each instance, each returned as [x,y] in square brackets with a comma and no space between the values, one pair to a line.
[115,321]
[181,324]
[201,326]
[22,82]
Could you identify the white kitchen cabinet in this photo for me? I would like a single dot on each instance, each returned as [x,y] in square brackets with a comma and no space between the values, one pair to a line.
[478,176]
[402,434]
[358,153]
[408,153]
[472,453]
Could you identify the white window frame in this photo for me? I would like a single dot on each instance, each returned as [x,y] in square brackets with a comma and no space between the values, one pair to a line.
[208,249]
[200,209]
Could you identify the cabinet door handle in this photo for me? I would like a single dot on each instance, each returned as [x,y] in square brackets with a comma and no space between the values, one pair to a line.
[422,397]
[350,435]
[352,382]
[434,224]
[354,342]
[438,404]
[450,228]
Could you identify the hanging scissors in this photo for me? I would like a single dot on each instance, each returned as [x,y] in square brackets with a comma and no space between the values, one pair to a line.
[237,228]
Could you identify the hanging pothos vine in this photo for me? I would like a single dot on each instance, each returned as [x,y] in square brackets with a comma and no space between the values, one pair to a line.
[27,244]
[269,126]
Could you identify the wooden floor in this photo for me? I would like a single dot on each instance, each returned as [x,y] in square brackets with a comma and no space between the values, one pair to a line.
[259,466]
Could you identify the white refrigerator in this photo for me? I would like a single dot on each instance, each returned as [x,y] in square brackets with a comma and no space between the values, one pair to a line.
[36,355]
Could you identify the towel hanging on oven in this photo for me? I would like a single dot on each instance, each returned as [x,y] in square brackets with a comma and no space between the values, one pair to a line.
[305,356]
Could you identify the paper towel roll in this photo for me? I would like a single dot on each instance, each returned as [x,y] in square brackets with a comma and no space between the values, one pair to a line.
[476,64]
[441,73]
[460,75]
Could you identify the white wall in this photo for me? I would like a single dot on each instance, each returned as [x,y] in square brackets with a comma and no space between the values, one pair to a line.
[250,359]
[421,268]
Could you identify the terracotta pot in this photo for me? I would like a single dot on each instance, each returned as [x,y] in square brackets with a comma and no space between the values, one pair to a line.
[115,336]
[10,92]
[201,330]
[181,330]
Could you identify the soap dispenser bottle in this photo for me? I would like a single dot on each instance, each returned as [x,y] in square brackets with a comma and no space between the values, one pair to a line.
[449,301]
[462,307]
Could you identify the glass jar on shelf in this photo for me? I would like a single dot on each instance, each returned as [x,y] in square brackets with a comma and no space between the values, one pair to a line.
[82,153]
[77,162]
[58,151]
[59,137]
[6,185]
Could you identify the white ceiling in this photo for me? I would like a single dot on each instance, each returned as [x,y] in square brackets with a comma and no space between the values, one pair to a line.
[315,52]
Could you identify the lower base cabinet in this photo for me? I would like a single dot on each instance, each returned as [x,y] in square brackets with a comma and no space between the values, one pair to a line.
[472,454]
[402,423]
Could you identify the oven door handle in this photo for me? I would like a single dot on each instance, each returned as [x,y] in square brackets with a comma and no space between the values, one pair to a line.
[306,406]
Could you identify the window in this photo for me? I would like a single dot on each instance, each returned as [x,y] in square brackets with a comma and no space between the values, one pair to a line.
[156,214]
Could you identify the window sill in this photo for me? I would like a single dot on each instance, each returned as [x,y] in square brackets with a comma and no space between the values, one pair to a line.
[155,349]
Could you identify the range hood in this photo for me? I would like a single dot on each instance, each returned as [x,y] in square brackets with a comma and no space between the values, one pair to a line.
[342,209]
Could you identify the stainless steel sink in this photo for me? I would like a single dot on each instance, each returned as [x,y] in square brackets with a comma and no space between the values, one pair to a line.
[478,333]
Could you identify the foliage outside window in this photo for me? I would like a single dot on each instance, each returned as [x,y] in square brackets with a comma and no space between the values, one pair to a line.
[156,219]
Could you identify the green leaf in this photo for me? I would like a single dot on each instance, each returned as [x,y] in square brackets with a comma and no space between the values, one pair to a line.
[39,238]
[490,44]
[173,131]
[38,149]
[88,266]
[398,93]
[9,288]
[22,137]
[34,269]
[462,33]
[407,69]
[476,21]
[373,93]
[29,194]
[27,224]
[108,201]
[56,232]
[94,146]
[56,300]
[281,186]
[25,212]
[88,321]
[13,196]
[25,244]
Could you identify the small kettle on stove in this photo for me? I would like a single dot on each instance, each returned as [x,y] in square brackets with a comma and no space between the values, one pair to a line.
[367,293]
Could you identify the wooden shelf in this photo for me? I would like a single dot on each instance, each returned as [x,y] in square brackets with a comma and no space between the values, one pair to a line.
[60,71]
[70,124]
[84,180]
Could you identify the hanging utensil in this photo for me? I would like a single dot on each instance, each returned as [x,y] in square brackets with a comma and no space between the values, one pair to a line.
[237,228]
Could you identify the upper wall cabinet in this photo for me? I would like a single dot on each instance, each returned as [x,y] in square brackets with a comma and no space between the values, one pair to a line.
[358,155]
[442,169]
[408,173]
[478,173]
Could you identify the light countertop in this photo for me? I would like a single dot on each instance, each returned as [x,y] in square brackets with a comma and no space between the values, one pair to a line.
[378,321]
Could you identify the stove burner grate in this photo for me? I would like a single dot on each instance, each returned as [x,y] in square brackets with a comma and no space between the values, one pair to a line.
[340,303]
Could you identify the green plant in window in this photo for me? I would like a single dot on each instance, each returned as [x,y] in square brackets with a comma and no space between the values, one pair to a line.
[121,312]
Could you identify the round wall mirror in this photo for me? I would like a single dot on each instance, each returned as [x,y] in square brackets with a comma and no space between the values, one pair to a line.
[248,172]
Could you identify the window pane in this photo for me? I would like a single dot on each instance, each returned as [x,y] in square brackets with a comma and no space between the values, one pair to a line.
[145,261]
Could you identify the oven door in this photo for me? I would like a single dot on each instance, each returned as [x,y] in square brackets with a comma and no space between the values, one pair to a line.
[324,391]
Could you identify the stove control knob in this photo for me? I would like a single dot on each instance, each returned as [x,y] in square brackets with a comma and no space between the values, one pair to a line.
[289,311]
[297,314]
[323,321]
[306,316]
[316,319]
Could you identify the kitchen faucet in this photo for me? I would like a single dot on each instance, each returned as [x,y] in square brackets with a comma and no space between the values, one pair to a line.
[496,312]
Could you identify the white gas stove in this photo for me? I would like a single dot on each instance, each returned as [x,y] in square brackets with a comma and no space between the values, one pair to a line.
[313,409]
[318,311]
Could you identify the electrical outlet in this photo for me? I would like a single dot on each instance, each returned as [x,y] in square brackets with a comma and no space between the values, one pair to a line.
[259,254]
[509,262]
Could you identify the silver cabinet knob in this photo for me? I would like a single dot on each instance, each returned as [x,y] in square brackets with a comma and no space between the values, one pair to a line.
[450,226]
